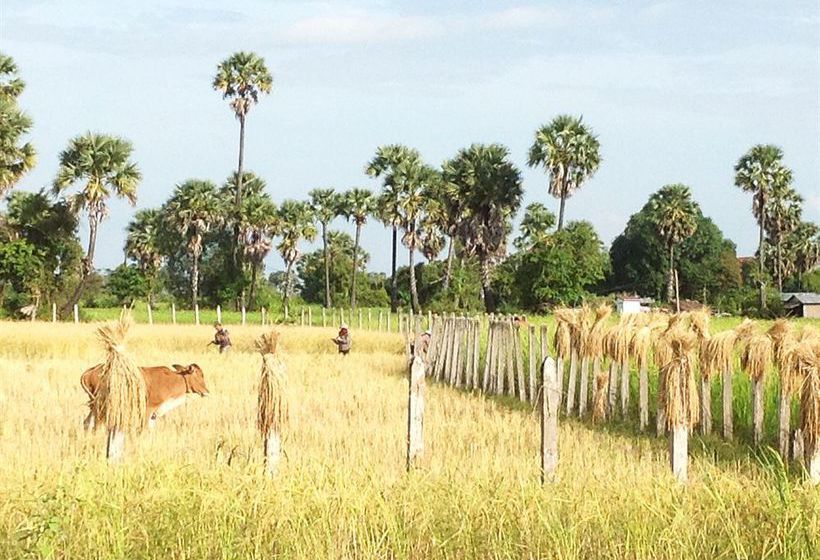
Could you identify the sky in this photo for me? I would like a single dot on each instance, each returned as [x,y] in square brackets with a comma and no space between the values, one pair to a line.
[676,92]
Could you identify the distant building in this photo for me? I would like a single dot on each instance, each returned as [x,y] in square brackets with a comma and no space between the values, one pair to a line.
[632,304]
[802,304]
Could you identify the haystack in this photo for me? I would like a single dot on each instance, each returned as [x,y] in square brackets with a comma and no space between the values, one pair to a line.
[272,411]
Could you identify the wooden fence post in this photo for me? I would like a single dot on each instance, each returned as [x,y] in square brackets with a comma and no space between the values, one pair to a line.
[476,326]
[488,358]
[381,320]
[263,316]
[757,410]
[53,312]
[302,317]
[705,405]
[150,315]
[244,315]
[572,381]
[360,319]
[679,451]
[613,387]
[625,378]
[218,314]
[369,319]
[519,363]
[727,404]
[324,317]
[584,387]
[643,394]
[389,313]
[76,314]
[196,313]
[550,400]
[660,423]
[531,350]
[173,313]
[415,412]
[310,316]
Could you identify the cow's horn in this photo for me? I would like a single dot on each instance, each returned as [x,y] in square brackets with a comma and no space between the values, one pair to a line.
[179,367]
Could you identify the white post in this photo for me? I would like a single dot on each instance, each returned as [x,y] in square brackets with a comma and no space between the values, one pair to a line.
[273,451]
[310,316]
[53,312]
[150,315]
[263,316]
[302,317]
[415,412]
[388,320]
[173,313]
[550,400]
[218,314]
[813,466]
[643,395]
[381,319]
[115,446]
[324,317]
[360,319]
[196,314]
[678,451]
[727,404]
[76,314]
[532,362]
[244,315]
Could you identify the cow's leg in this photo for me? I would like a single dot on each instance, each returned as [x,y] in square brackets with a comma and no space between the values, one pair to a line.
[90,421]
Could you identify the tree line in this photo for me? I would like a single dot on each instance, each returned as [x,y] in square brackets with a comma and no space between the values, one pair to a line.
[211,240]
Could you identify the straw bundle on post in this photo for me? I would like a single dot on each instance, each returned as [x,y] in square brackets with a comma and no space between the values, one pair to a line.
[720,351]
[581,330]
[121,397]
[272,407]
[565,341]
[622,352]
[640,345]
[593,348]
[755,361]
[805,359]
[700,325]
[783,340]
[680,398]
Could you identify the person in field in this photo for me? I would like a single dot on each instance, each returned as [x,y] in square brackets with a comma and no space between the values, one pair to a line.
[342,340]
[221,338]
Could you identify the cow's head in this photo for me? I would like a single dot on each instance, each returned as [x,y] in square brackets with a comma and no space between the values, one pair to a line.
[195,379]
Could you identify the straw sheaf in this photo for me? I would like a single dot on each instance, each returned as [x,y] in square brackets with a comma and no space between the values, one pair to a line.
[581,327]
[807,365]
[756,356]
[640,344]
[809,334]
[601,393]
[720,352]
[782,333]
[564,319]
[745,330]
[623,338]
[122,395]
[272,410]
[796,356]
[595,340]
[680,399]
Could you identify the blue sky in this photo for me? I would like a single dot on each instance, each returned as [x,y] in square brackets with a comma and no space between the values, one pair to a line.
[676,91]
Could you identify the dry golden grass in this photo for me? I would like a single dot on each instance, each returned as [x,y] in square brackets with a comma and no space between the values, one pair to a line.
[194,488]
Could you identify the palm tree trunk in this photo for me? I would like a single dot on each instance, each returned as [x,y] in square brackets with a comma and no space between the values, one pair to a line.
[394,289]
[237,252]
[761,202]
[194,279]
[87,266]
[561,210]
[486,289]
[355,265]
[670,285]
[449,270]
[254,275]
[414,295]
[286,298]
[779,266]
[328,302]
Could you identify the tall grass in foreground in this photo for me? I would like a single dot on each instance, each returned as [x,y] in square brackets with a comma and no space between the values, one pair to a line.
[194,487]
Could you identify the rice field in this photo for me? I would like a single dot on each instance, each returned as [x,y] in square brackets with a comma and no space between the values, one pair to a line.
[193,488]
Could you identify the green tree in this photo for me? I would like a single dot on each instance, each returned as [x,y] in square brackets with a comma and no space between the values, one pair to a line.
[193,209]
[242,78]
[385,165]
[142,245]
[535,227]
[760,171]
[674,215]
[490,187]
[782,216]
[357,205]
[20,266]
[127,283]
[16,156]
[570,154]
[296,224]
[325,204]
[100,166]
[802,247]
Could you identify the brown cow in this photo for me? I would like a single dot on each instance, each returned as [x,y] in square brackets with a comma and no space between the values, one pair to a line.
[167,389]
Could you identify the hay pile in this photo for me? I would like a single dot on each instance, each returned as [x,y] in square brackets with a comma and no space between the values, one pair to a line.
[597,332]
[640,344]
[804,358]
[565,319]
[680,396]
[272,411]
[121,398]
[756,356]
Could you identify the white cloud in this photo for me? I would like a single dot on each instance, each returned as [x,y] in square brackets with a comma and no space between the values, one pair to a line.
[361,27]
[525,17]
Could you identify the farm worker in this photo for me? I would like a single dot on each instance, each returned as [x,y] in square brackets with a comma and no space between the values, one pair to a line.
[221,338]
[342,340]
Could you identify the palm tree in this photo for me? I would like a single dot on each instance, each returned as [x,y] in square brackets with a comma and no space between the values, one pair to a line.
[490,187]
[242,77]
[569,152]
[257,221]
[101,166]
[295,224]
[384,164]
[194,208]
[16,158]
[783,213]
[535,226]
[674,215]
[802,245]
[760,171]
[142,245]
[357,205]
[325,204]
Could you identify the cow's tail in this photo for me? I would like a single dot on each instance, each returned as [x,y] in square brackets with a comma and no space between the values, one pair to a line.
[86,387]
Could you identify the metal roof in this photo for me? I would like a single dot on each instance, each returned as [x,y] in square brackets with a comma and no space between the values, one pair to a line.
[805,298]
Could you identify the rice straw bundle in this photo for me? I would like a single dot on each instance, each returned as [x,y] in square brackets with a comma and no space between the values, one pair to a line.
[639,345]
[808,334]
[272,411]
[601,392]
[745,330]
[719,353]
[756,356]
[680,397]
[581,329]
[121,398]
[564,319]
[781,333]
[806,359]
[595,338]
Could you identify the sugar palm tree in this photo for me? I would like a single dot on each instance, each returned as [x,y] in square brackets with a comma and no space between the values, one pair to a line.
[357,205]
[142,245]
[296,223]
[325,204]
[490,187]
[194,208]
[16,157]
[384,165]
[100,167]
[802,245]
[535,226]
[570,154]
[674,215]
[759,171]
[783,213]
